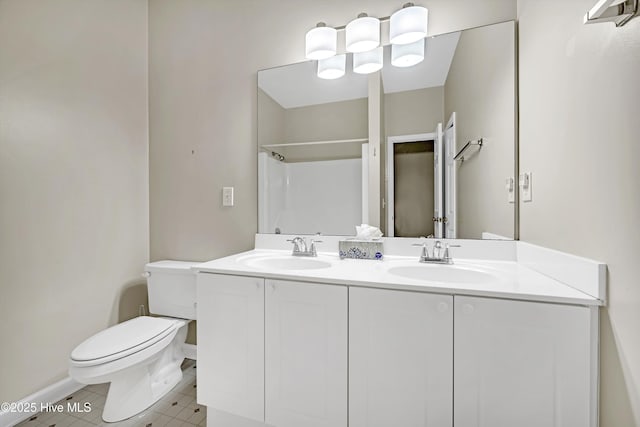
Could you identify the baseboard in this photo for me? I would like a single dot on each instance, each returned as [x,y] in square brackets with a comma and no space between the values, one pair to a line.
[50,394]
[190,351]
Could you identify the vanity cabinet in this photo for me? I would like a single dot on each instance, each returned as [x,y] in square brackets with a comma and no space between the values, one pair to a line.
[273,351]
[524,364]
[400,358]
[231,344]
[305,354]
[296,354]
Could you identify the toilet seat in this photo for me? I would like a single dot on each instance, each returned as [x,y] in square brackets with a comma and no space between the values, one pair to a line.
[122,340]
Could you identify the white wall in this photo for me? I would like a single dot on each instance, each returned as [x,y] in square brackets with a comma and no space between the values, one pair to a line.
[73,179]
[579,128]
[204,57]
[272,190]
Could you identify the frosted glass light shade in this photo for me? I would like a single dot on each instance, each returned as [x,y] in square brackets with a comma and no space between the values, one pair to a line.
[321,42]
[407,55]
[408,25]
[332,68]
[362,34]
[367,62]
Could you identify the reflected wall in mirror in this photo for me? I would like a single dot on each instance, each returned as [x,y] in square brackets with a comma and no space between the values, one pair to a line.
[312,134]
[463,92]
[316,165]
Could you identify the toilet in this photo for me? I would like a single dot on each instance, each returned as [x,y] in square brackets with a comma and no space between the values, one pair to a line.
[141,357]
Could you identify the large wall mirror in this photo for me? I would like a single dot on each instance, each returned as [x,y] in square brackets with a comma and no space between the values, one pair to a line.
[434,145]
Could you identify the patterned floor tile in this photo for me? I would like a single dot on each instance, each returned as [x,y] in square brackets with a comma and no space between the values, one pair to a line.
[177,409]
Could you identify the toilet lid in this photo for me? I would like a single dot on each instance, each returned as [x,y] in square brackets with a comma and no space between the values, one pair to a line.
[138,332]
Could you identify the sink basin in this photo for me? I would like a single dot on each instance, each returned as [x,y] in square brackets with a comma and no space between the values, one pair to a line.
[285,263]
[443,274]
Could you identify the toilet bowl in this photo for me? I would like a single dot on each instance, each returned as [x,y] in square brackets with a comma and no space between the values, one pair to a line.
[141,357]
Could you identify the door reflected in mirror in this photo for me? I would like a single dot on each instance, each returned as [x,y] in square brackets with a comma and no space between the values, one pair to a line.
[445,148]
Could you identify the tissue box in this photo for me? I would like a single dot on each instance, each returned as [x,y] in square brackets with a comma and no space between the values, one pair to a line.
[361,249]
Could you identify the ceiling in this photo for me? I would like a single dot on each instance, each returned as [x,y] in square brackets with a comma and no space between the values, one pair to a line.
[297,85]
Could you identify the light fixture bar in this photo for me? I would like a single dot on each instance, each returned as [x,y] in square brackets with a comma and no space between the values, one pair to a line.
[407,33]
[344,27]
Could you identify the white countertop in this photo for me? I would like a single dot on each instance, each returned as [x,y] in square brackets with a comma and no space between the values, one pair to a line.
[513,280]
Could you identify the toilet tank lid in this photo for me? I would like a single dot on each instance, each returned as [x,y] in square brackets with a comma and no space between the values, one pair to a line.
[170,266]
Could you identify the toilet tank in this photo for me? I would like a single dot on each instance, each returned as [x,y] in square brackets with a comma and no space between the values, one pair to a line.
[172,288]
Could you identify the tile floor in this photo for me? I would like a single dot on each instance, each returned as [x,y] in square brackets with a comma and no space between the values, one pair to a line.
[177,409]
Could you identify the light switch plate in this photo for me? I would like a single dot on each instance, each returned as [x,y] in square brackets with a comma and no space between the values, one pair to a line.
[510,186]
[227,196]
[526,186]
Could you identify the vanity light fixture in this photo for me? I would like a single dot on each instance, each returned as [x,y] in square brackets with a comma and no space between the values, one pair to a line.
[362,34]
[321,42]
[368,62]
[407,55]
[407,32]
[332,68]
[408,25]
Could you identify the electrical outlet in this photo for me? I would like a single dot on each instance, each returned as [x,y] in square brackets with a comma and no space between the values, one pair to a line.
[227,196]
[526,186]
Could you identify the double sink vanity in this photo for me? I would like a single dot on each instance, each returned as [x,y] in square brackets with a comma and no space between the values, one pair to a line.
[506,335]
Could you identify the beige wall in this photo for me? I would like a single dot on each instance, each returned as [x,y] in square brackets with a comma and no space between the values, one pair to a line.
[73,179]
[406,113]
[204,58]
[480,88]
[332,121]
[271,117]
[413,111]
[73,165]
[579,127]
[324,122]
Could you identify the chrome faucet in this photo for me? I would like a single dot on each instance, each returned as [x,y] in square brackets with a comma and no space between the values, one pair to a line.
[440,255]
[300,247]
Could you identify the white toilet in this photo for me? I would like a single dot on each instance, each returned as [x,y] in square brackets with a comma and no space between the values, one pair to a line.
[141,357]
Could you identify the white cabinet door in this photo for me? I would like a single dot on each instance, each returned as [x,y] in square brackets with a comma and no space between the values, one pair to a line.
[522,364]
[306,354]
[400,359]
[231,344]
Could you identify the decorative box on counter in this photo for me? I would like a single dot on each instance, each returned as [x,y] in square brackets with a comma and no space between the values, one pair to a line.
[361,249]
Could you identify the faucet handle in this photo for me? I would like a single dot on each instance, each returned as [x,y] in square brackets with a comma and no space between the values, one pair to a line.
[298,244]
[447,256]
[296,247]
[312,247]
[425,251]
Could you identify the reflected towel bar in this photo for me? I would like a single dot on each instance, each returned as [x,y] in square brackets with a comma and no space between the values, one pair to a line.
[477,142]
